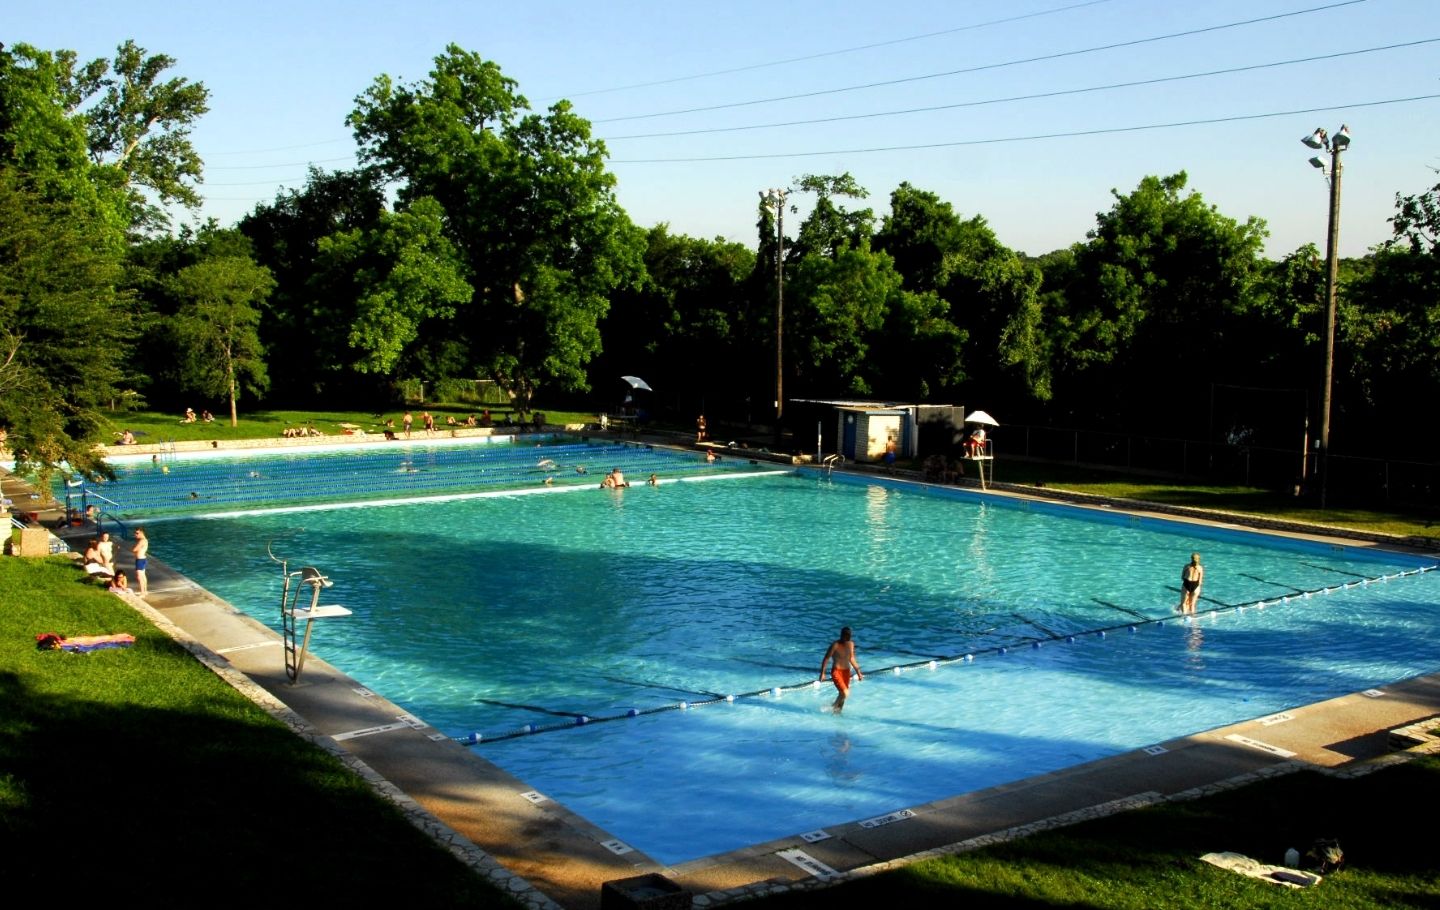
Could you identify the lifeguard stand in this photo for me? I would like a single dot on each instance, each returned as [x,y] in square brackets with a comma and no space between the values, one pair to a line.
[984,460]
[984,455]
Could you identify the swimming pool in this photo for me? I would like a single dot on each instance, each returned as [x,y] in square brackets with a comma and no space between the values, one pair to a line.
[503,611]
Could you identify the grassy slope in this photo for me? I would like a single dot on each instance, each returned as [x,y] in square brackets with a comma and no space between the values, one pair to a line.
[138,767]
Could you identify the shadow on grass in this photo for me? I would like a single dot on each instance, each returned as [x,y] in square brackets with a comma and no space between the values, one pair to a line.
[212,800]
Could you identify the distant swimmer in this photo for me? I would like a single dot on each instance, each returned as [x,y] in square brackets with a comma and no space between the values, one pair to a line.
[547,464]
[654,481]
[841,657]
[580,469]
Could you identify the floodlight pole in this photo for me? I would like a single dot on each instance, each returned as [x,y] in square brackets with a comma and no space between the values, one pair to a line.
[1334,145]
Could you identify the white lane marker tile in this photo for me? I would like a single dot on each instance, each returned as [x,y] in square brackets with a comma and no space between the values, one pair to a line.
[809,863]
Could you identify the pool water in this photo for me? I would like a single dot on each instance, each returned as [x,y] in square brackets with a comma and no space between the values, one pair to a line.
[492,615]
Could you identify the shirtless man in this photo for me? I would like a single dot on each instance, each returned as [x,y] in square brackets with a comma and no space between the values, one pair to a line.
[142,554]
[1191,577]
[841,658]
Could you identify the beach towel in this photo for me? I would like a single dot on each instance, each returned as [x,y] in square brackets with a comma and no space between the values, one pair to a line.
[83,644]
[1275,875]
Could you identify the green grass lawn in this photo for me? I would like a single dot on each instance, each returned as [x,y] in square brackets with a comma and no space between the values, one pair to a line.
[157,427]
[1238,499]
[138,770]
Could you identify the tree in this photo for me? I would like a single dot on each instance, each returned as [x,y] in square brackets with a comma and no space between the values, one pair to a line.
[64,324]
[135,124]
[407,273]
[529,206]
[308,317]
[841,302]
[989,293]
[140,123]
[1156,307]
[687,312]
[215,330]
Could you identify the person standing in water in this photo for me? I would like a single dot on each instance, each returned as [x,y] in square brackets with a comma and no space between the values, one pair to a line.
[1191,577]
[841,657]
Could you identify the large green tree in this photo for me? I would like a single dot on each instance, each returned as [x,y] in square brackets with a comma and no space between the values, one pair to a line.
[308,318]
[64,327]
[65,322]
[528,205]
[215,331]
[1155,308]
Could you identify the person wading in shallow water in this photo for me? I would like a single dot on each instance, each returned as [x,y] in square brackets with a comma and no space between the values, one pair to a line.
[1191,578]
[841,658]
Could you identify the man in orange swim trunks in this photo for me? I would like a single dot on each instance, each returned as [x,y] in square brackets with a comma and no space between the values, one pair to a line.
[841,658]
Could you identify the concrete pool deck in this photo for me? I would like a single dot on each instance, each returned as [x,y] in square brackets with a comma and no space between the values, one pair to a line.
[547,856]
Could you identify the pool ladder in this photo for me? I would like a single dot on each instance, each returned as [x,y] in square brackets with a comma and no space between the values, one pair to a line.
[831,461]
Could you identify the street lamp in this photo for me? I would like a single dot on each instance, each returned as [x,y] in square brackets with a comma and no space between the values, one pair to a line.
[1334,145]
[776,197]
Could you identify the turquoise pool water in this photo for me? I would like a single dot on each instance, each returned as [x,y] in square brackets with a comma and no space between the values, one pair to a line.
[505,611]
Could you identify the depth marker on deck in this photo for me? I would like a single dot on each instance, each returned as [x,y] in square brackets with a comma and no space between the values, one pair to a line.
[1273,719]
[617,847]
[534,796]
[371,731]
[1155,750]
[809,863]
[814,837]
[1263,747]
[1372,693]
[890,819]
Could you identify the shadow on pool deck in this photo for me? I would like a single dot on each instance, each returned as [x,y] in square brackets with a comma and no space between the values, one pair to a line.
[528,840]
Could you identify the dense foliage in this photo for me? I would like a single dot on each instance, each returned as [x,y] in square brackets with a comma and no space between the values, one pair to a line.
[502,254]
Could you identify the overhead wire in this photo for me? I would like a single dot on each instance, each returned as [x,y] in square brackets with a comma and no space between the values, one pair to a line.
[1042,58]
[832,53]
[1098,131]
[1030,97]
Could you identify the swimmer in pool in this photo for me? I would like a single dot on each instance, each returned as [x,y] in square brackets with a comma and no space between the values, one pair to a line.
[1191,577]
[841,658]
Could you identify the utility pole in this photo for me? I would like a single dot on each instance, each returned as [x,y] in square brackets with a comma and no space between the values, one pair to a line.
[776,197]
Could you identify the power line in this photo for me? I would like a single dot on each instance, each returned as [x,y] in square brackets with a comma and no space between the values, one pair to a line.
[1005,100]
[261,167]
[835,53]
[1101,131]
[1059,55]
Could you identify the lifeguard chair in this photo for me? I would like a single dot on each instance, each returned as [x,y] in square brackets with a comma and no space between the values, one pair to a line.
[980,451]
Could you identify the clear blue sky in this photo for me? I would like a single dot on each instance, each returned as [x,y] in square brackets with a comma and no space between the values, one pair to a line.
[283,77]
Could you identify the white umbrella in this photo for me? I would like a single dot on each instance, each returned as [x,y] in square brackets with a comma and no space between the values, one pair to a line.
[637,383]
[982,417]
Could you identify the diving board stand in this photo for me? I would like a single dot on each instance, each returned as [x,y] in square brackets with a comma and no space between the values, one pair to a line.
[292,614]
